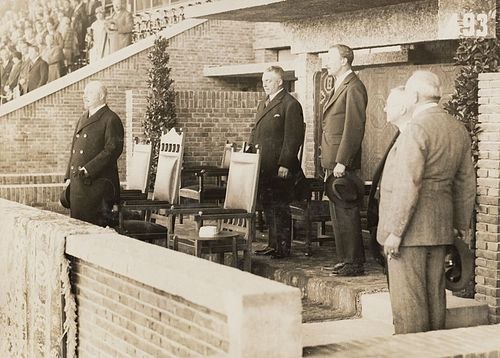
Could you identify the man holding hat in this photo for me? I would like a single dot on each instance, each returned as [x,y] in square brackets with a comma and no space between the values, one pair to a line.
[92,173]
[427,190]
[344,117]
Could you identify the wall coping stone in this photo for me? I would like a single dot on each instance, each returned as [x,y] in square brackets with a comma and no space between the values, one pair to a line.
[142,262]
[93,68]
[261,313]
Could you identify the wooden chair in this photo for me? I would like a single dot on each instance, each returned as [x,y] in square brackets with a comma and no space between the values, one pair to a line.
[165,192]
[236,217]
[139,168]
[312,210]
[203,191]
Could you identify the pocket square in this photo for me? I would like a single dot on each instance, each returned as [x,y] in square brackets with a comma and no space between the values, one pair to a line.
[276,115]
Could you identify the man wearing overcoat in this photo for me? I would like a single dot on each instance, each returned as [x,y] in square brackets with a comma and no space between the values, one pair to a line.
[92,171]
[344,118]
[427,190]
[279,133]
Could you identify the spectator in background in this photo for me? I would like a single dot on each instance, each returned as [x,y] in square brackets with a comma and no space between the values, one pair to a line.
[120,26]
[99,35]
[5,69]
[54,57]
[79,22]
[29,34]
[39,71]
[70,42]
[25,67]
[57,39]
[91,8]
[11,89]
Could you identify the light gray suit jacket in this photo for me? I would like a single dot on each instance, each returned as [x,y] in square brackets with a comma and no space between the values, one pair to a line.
[429,185]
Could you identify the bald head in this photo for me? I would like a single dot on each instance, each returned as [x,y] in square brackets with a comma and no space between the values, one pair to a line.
[396,107]
[423,87]
[95,95]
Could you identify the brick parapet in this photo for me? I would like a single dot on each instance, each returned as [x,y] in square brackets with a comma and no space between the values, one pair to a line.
[488,196]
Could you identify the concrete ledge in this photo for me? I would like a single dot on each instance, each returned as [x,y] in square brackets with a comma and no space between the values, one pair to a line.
[460,312]
[262,314]
[250,69]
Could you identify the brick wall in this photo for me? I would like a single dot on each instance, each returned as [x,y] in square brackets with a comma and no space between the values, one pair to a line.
[37,137]
[120,316]
[488,196]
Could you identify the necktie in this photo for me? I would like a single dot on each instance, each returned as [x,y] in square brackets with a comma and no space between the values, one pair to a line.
[267,101]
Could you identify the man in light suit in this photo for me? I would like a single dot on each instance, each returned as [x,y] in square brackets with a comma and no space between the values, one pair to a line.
[92,171]
[427,190]
[120,27]
[344,118]
[279,133]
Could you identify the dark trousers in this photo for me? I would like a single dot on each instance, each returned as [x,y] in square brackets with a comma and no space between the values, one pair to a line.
[275,197]
[279,221]
[417,289]
[346,222]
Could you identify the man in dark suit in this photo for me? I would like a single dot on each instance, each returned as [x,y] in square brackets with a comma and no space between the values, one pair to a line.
[279,133]
[344,119]
[5,70]
[39,71]
[92,171]
[427,190]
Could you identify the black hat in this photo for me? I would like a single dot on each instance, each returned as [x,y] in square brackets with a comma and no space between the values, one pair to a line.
[64,197]
[346,191]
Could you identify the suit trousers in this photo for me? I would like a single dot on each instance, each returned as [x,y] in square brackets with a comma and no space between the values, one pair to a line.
[279,221]
[417,289]
[274,195]
[347,231]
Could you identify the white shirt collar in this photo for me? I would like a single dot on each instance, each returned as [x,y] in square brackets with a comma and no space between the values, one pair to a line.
[271,96]
[341,78]
[423,107]
[94,111]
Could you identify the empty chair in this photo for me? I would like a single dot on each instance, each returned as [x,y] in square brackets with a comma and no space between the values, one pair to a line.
[203,191]
[236,217]
[138,173]
[165,192]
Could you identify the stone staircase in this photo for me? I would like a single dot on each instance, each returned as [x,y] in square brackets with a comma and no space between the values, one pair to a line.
[344,309]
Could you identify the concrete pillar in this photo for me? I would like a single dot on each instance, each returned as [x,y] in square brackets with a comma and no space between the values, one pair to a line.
[307,64]
[488,199]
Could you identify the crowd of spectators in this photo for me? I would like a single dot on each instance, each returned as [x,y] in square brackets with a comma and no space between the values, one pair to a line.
[49,38]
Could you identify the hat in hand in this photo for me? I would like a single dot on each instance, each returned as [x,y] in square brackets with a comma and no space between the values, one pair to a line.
[64,197]
[346,191]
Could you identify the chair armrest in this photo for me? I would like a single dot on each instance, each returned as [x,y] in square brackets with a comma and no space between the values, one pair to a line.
[221,214]
[146,204]
[190,208]
[125,196]
[214,172]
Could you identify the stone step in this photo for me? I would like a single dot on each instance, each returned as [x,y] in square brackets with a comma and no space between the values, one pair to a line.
[319,285]
[460,312]
[320,312]
[334,332]
[479,341]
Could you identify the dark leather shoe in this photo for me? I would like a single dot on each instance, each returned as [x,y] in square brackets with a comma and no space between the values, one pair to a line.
[350,269]
[265,251]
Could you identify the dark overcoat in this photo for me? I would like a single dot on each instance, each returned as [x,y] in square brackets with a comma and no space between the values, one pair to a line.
[343,124]
[279,133]
[38,74]
[97,144]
